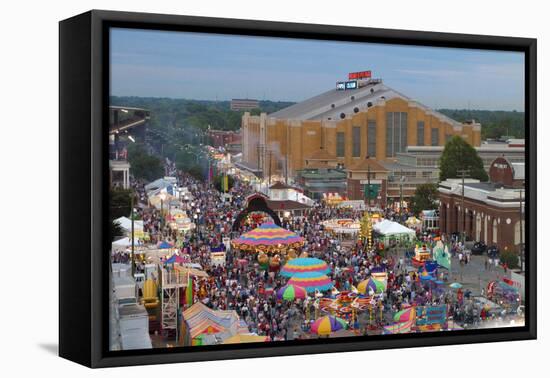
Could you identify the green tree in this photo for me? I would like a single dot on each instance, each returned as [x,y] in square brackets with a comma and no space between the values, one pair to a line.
[425,197]
[510,258]
[142,164]
[197,172]
[120,203]
[458,155]
[116,230]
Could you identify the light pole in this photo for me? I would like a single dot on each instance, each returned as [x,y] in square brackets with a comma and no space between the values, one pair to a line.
[521,249]
[463,173]
[368,184]
[401,180]
[132,237]
[162,197]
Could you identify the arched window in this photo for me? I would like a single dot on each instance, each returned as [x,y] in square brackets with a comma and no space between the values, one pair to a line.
[495,231]
[517,230]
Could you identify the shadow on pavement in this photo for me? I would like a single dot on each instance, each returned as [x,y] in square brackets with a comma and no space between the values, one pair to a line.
[51,348]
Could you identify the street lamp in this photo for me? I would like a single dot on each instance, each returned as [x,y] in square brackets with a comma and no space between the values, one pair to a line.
[521,248]
[162,197]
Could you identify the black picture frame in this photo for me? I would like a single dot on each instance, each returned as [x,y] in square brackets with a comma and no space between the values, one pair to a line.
[83,167]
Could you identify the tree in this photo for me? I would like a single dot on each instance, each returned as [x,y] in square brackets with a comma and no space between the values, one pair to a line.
[458,155]
[143,165]
[116,230]
[120,203]
[197,172]
[510,258]
[425,197]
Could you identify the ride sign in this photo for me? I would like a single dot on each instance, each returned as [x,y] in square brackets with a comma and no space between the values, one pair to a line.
[427,315]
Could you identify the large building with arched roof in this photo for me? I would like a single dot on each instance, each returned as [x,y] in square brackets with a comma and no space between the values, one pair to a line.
[370,119]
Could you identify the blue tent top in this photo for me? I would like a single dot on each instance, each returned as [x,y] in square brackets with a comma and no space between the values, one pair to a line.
[171,260]
[164,245]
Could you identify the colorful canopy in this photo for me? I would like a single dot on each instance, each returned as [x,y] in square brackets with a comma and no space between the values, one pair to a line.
[405,315]
[175,259]
[245,338]
[404,327]
[304,264]
[455,285]
[328,324]
[268,237]
[311,281]
[425,276]
[201,319]
[365,286]
[291,292]
[164,245]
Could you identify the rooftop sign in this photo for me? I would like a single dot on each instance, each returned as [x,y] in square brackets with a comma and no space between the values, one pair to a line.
[345,85]
[359,75]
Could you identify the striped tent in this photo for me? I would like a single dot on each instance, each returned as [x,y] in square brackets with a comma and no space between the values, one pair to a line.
[311,281]
[268,237]
[304,264]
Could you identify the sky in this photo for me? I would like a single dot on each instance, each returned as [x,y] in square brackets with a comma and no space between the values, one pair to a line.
[220,67]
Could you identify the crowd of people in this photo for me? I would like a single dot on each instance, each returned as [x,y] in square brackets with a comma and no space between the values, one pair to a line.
[244,285]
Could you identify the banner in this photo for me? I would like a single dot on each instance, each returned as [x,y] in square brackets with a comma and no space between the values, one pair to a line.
[217,258]
[189,291]
[442,256]
[426,315]
[373,192]
[225,183]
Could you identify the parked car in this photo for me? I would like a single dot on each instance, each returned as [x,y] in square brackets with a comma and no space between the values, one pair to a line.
[479,248]
[493,251]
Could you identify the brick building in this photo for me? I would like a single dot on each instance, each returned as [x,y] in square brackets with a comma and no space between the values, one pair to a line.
[223,138]
[490,211]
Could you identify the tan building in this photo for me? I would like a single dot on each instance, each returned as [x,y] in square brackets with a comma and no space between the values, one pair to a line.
[341,127]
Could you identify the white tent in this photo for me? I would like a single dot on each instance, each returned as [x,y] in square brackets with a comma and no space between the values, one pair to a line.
[126,224]
[122,244]
[393,229]
[161,183]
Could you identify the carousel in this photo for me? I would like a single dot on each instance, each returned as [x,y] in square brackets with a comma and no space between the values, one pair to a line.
[346,230]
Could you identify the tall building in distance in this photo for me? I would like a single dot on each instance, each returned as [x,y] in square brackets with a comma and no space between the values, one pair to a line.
[358,118]
[244,104]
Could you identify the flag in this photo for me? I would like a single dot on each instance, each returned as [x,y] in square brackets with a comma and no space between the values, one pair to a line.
[189,290]
[225,186]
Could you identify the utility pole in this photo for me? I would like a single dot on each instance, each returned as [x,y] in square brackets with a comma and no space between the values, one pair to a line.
[286,170]
[401,180]
[463,173]
[368,185]
[270,154]
[521,249]
[260,149]
[132,229]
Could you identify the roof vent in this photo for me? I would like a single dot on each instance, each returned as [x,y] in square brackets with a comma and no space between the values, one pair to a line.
[332,106]
[372,90]
[356,110]
[369,104]
[352,98]
[342,115]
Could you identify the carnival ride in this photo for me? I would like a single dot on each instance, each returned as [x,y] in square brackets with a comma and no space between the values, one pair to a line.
[421,255]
